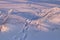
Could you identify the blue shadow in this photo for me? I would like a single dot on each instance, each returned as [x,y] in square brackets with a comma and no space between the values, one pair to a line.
[27,15]
[50,1]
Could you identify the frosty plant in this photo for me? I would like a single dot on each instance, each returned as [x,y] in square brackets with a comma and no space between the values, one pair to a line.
[52,15]
[3,27]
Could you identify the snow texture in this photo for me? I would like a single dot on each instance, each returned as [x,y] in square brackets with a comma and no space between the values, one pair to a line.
[18,17]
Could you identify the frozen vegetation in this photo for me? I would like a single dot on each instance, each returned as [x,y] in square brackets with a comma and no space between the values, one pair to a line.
[17,17]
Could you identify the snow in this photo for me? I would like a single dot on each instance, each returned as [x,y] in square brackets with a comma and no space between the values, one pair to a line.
[28,20]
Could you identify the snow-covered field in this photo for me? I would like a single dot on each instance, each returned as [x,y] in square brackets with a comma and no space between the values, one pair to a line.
[29,20]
